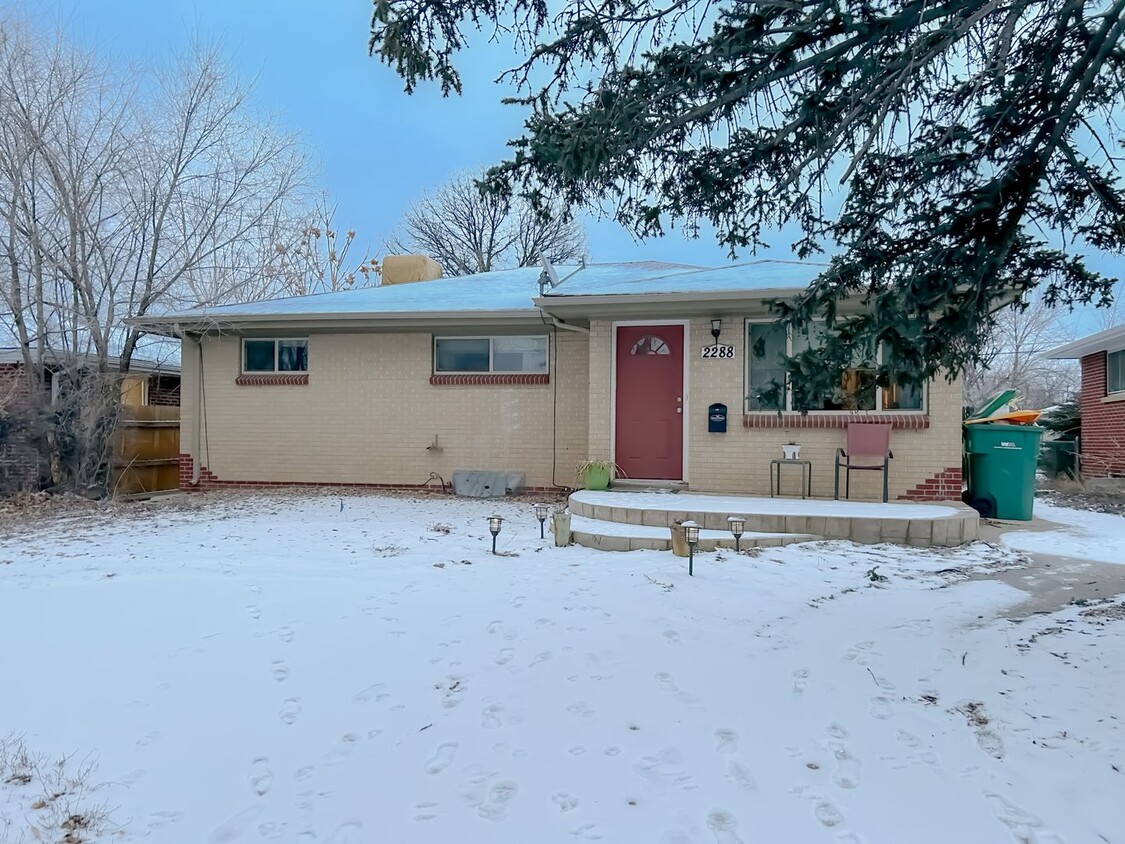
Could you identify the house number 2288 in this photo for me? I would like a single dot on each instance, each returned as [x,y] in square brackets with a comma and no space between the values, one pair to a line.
[718,351]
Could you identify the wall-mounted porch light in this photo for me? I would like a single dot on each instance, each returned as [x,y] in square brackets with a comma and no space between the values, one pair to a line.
[716,329]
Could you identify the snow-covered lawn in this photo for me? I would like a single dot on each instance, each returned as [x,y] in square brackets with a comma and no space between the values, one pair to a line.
[312,669]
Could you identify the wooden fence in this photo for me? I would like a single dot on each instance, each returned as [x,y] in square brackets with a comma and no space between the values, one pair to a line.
[147,452]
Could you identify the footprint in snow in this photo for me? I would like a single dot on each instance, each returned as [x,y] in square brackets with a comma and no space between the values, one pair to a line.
[828,814]
[564,801]
[159,820]
[499,797]
[861,653]
[285,634]
[800,680]
[303,773]
[880,707]
[260,776]
[1023,825]
[279,670]
[847,769]
[726,740]
[442,758]
[254,612]
[518,601]
[540,657]
[272,830]
[424,811]
[723,826]
[490,716]
[586,832]
[581,709]
[343,748]
[234,827]
[665,681]
[290,711]
[369,694]
[505,656]
[347,833]
[836,731]
[740,775]
[672,637]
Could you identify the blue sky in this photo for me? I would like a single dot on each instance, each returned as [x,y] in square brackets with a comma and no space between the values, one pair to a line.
[377,148]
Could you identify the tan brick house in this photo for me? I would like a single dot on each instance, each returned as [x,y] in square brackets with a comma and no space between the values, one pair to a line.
[502,371]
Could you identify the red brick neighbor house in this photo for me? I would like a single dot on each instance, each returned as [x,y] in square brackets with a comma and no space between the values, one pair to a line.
[1102,400]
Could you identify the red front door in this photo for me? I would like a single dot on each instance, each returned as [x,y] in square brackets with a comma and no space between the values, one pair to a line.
[650,402]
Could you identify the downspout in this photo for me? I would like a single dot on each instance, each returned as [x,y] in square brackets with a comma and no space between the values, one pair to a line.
[196,430]
[558,323]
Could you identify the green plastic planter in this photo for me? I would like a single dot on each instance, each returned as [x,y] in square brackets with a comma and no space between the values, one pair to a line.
[597,478]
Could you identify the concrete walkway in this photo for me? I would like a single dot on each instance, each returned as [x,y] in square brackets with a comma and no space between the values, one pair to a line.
[1051,582]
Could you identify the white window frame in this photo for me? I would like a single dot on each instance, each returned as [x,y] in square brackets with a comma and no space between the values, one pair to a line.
[492,370]
[275,340]
[749,355]
[1121,389]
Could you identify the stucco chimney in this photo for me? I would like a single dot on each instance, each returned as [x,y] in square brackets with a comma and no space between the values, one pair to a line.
[404,269]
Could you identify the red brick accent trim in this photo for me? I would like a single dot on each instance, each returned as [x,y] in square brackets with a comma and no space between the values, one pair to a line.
[1103,423]
[944,486]
[209,481]
[464,379]
[899,421]
[286,379]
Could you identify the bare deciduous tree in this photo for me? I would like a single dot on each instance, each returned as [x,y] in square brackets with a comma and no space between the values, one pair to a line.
[469,232]
[1014,357]
[123,195]
[317,259]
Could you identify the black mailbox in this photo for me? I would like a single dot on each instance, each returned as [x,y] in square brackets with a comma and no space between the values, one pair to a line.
[717,419]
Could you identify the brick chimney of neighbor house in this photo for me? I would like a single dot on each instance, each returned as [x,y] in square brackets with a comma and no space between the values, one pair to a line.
[404,269]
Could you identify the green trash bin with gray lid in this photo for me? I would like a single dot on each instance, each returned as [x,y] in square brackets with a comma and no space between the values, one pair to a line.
[1001,460]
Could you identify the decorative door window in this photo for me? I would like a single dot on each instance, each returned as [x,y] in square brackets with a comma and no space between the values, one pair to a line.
[650,344]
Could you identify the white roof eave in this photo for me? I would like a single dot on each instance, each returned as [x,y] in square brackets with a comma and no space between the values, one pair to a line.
[1103,341]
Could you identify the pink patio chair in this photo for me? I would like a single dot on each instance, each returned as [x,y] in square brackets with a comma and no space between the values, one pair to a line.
[866,441]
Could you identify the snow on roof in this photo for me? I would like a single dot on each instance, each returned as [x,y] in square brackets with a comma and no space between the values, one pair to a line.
[753,276]
[1111,339]
[516,290]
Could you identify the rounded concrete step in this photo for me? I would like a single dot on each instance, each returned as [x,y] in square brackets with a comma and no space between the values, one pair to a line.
[905,523]
[617,536]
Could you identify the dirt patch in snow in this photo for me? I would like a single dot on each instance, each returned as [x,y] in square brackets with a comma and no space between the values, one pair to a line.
[1107,612]
[1096,501]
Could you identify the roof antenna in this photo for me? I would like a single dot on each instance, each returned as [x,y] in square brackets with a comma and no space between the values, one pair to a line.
[549,278]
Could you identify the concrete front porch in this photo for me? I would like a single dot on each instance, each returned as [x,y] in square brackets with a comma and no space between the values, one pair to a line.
[628,521]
